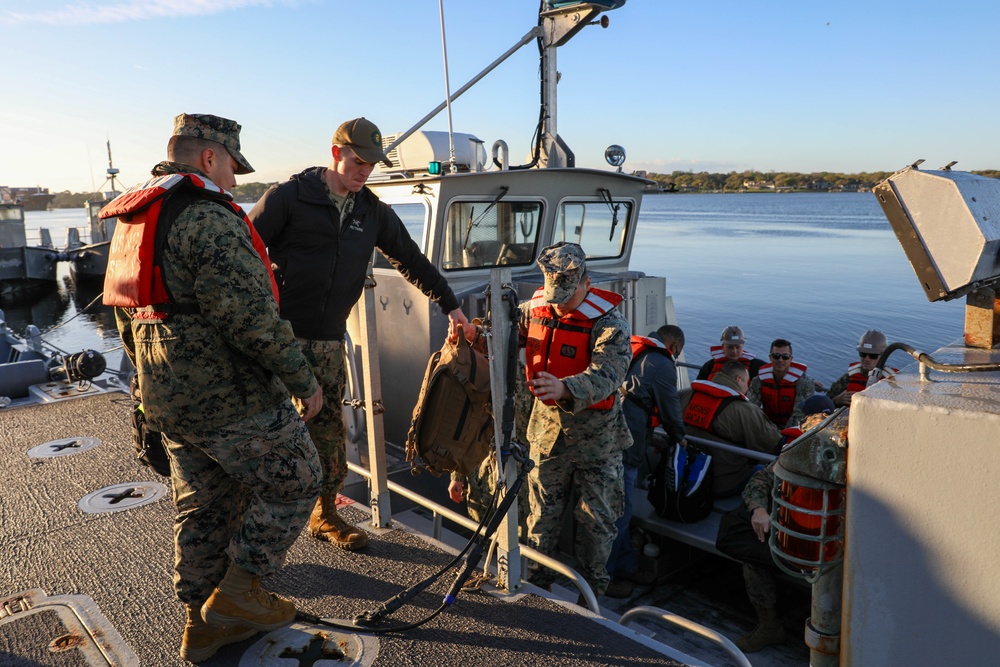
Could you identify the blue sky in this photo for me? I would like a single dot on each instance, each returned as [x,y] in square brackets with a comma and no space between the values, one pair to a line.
[717,86]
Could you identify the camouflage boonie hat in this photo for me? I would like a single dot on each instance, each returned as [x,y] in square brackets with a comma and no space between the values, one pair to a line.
[732,335]
[362,137]
[564,265]
[217,129]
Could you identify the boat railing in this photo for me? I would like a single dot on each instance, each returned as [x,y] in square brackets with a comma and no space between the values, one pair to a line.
[690,626]
[441,512]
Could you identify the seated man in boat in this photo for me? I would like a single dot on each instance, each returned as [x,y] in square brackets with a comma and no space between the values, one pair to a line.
[743,534]
[651,399]
[321,228]
[781,386]
[215,366]
[731,348]
[871,345]
[720,409]
[577,352]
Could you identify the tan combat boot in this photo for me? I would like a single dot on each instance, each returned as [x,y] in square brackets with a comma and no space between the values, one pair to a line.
[326,524]
[239,600]
[201,640]
[768,631]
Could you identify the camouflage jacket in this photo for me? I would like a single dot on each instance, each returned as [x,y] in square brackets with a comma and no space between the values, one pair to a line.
[237,356]
[591,435]
[757,492]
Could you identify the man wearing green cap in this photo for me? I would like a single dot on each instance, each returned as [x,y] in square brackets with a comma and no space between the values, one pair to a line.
[577,350]
[215,363]
[321,228]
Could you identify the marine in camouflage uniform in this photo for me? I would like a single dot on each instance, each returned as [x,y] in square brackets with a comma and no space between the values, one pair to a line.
[577,449]
[245,472]
[480,486]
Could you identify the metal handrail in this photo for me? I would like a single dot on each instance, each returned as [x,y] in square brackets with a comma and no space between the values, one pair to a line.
[732,449]
[441,511]
[690,626]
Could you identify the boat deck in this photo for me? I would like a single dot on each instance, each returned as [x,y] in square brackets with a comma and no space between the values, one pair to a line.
[122,561]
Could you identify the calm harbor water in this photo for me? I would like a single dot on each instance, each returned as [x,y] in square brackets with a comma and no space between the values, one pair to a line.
[818,269]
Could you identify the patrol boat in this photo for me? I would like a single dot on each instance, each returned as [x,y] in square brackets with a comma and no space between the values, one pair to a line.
[88,262]
[87,537]
[26,271]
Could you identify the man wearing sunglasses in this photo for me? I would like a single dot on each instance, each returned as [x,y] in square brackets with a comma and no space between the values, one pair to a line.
[871,345]
[781,386]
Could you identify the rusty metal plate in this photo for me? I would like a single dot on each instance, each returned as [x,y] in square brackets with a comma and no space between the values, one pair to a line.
[37,629]
[301,644]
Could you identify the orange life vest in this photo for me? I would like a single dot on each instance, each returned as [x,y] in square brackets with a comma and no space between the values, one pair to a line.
[134,278]
[561,345]
[719,355]
[641,344]
[706,401]
[778,398]
[858,379]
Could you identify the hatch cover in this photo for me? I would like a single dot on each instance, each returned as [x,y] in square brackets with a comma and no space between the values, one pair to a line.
[63,447]
[301,644]
[59,630]
[120,497]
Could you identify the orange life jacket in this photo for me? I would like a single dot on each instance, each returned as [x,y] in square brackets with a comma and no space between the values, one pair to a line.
[134,278]
[778,398]
[858,379]
[706,401]
[561,345]
[641,344]
[719,355]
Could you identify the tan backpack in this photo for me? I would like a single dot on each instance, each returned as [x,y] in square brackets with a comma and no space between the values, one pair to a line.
[452,426]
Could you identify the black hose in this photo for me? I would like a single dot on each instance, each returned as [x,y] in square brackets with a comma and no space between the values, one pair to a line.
[929,361]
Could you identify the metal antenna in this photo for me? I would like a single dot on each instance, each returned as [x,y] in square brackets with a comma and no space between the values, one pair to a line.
[447,92]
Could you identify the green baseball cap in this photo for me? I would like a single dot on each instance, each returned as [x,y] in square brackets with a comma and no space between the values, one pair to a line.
[564,266]
[362,136]
[214,128]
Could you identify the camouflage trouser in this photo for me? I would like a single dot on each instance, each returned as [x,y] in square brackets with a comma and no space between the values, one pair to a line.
[481,484]
[243,492]
[761,587]
[551,484]
[327,428]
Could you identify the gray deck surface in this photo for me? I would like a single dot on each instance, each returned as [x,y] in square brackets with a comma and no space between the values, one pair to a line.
[124,562]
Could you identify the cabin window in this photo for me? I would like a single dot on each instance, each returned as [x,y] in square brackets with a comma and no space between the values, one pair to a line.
[414,217]
[599,227]
[491,233]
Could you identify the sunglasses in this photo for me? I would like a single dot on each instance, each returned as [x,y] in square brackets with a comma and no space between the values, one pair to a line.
[785,357]
[868,355]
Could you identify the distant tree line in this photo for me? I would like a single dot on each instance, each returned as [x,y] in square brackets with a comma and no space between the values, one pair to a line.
[744,181]
[247,192]
[678,181]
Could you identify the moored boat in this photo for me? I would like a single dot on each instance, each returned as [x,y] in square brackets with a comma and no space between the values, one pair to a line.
[25,270]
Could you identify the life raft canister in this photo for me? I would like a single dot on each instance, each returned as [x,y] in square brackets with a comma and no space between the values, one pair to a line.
[561,345]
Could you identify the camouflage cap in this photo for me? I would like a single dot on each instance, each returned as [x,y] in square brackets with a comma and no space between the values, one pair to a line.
[732,335]
[872,342]
[564,266]
[217,129]
[362,137]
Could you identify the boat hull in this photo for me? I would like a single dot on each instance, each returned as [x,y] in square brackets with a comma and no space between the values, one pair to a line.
[26,270]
